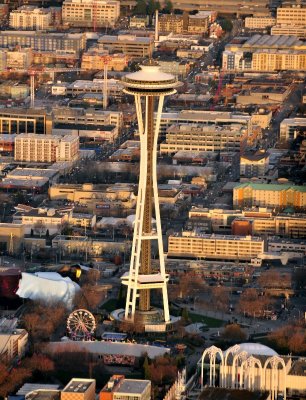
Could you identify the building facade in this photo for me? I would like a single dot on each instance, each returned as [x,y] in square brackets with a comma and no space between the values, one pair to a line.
[94,59]
[171,23]
[131,45]
[29,17]
[254,165]
[38,148]
[25,121]
[269,195]
[43,41]
[291,127]
[194,137]
[196,245]
[90,13]
[13,345]
[259,22]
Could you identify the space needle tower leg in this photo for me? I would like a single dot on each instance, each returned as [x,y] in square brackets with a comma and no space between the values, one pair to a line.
[149,88]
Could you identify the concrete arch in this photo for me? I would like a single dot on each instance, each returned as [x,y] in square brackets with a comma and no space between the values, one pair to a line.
[212,352]
[231,350]
[237,361]
[247,370]
[273,386]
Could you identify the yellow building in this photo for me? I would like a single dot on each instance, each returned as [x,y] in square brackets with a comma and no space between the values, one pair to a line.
[131,45]
[275,60]
[198,23]
[11,237]
[87,13]
[295,15]
[294,30]
[262,118]
[94,59]
[171,23]
[259,22]
[269,195]
[196,245]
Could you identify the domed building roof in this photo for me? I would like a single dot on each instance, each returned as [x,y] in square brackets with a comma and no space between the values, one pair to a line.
[257,349]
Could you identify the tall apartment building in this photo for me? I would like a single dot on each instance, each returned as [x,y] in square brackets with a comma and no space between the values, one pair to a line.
[90,13]
[79,389]
[131,45]
[269,195]
[43,41]
[38,148]
[25,121]
[224,247]
[29,17]
[193,137]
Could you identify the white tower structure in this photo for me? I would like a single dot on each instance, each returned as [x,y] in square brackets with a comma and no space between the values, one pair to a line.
[147,86]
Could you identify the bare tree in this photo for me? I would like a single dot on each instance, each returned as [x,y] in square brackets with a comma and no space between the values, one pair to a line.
[234,334]
[40,227]
[251,304]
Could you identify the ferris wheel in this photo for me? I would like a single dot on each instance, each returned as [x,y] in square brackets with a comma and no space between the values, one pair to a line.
[81,325]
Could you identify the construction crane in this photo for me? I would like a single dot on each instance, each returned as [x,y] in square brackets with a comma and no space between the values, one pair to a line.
[218,91]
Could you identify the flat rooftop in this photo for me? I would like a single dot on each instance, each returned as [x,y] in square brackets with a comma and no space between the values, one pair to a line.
[232,394]
[133,386]
[78,385]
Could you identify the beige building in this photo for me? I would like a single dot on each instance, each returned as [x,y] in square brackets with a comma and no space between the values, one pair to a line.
[19,59]
[276,60]
[90,13]
[295,15]
[198,23]
[130,45]
[294,30]
[11,237]
[196,245]
[79,389]
[284,226]
[290,127]
[16,120]
[29,17]
[196,137]
[171,23]
[269,195]
[40,220]
[95,59]
[13,345]
[13,90]
[262,118]
[259,22]
[254,165]
[38,148]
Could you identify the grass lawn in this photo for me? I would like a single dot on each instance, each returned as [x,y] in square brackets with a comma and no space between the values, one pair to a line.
[210,322]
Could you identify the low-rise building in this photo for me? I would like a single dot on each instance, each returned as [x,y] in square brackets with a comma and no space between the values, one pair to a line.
[79,389]
[14,90]
[254,164]
[226,247]
[262,118]
[259,22]
[293,30]
[291,127]
[131,45]
[119,388]
[18,59]
[95,86]
[269,195]
[172,23]
[263,95]
[13,345]
[199,22]
[195,137]
[95,59]
[27,120]
[285,245]
[40,221]
[39,148]
[139,22]
[90,13]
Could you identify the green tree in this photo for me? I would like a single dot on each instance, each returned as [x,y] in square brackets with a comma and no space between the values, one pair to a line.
[146,368]
[140,8]
[226,25]
[152,6]
[168,8]
[185,315]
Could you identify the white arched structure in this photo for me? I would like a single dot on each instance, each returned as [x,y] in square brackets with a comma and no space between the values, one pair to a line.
[212,352]
[272,382]
[248,374]
[238,359]
[232,350]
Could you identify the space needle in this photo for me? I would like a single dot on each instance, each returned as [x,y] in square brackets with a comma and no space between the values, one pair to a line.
[149,86]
